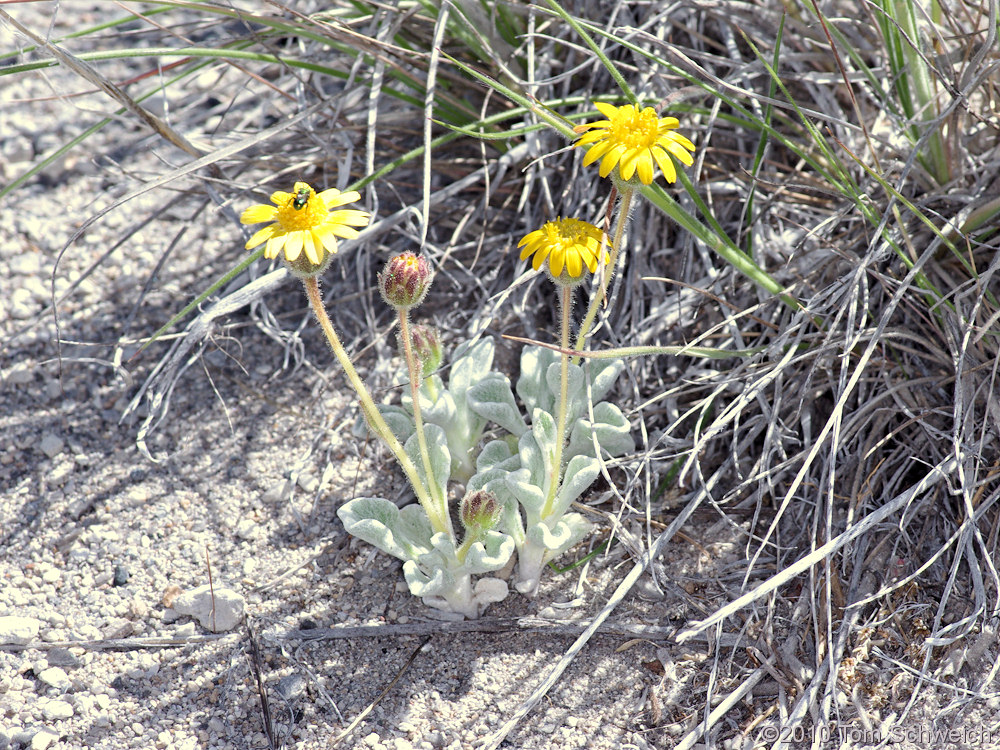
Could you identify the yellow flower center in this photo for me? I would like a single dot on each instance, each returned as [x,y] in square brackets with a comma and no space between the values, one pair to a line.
[565,234]
[311,215]
[634,128]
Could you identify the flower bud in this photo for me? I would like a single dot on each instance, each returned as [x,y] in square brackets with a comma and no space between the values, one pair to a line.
[427,348]
[405,280]
[304,268]
[479,511]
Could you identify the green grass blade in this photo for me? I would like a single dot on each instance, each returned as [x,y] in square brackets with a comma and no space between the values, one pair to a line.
[715,239]
[589,41]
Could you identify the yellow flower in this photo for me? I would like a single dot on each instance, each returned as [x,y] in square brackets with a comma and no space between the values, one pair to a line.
[303,221]
[568,244]
[632,139]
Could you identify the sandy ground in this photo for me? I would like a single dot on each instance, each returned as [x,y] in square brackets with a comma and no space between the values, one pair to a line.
[256,454]
[255,458]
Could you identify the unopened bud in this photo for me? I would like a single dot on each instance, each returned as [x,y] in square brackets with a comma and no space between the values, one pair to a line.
[479,511]
[427,348]
[405,280]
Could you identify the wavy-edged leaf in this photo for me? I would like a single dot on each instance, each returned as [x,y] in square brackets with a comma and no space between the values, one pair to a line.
[603,374]
[471,367]
[423,585]
[497,454]
[581,471]
[537,447]
[380,523]
[493,400]
[490,553]
[531,385]
[399,420]
[613,431]
[523,490]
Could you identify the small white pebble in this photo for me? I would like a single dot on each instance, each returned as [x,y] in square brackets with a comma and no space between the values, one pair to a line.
[55,677]
[18,631]
[51,445]
[57,710]
[43,739]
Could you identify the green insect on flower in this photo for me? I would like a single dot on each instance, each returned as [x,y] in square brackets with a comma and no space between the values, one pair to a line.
[301,198]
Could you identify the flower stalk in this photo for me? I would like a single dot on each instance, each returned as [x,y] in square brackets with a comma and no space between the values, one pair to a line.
[439,521]
[565,305]
[414,368]
[624,208]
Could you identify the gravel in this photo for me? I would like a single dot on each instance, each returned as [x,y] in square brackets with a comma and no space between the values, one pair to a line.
[106,629]
[141,601]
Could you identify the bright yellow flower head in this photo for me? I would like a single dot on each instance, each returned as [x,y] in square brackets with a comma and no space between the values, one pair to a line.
[567,244]
[303,221]
[632,139]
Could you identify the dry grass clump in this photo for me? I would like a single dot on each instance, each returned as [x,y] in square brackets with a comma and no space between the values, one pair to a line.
[840,221]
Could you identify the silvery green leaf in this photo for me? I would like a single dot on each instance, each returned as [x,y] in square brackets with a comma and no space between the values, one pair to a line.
[360,428]
[603,373]
[414,526]
[378,522]
[560,536]
[530,561]
[464,600]
[471,367]
[441,411]
[430,391]
[399,420]
[520,486]
[536,448]
[490,590]
[493,400]
[442,557]
[460,435]
[480,479]
[553,537]
[580,529]
[496,454]
[511,518]
[542,544]
[490,553]
[437,447]
[439,579]
[575,388]
[613,431]
[423,585]
[581,471]
[543,427]
[531,385]
[468,369]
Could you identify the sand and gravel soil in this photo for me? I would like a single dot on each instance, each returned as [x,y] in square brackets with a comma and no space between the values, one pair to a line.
[99,543]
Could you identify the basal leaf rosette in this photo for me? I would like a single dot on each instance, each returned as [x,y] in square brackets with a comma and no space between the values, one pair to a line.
[430,564]
[443,582]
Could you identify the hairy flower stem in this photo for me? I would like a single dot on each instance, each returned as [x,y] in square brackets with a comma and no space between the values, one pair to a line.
[616,246]
[565,305]
[415,371]
[369,409]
